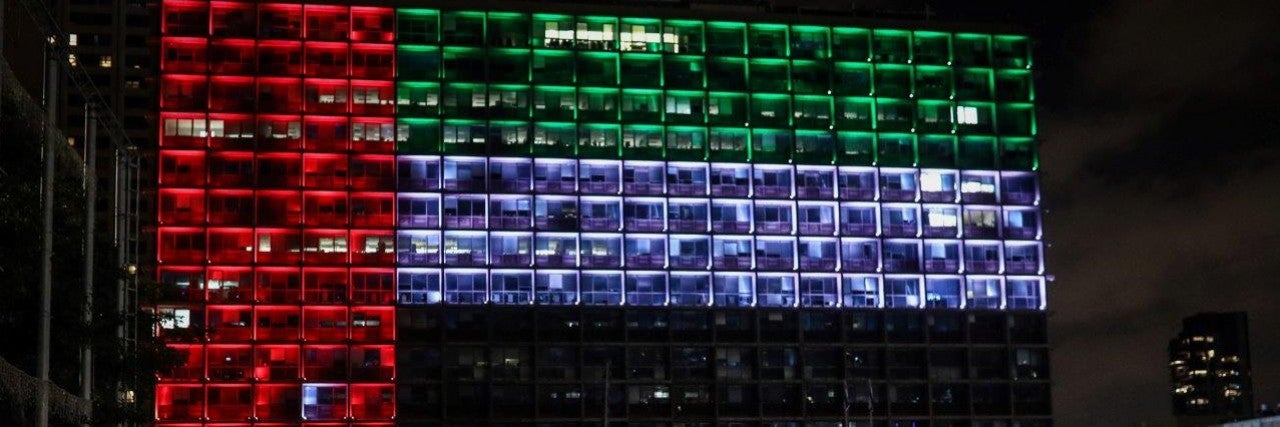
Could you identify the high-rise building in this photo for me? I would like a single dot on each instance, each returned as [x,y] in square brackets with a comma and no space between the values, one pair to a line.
[555,214]
[1210,367]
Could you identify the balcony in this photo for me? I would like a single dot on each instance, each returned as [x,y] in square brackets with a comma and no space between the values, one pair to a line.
[510,260]
[610,261]
[768,262]
[415,183]
[905,265]
[857,193]
[464,185]
[817,264]
[773,227]
[981,266]
[418,221]
[1026,233]
[976,232]
[773,191]
[643,188]
[858,229]
[817,229]
[555,260]
[600,224]
[418,259]
[978,197]
[814,192]
[730,226]
[464,221]
[464,259]
[560,223]
[1018,197]
[646,261]
[897,195]
[687,225]
[599,187]
[688,189]
[900,230]
[730,190]
[938,196]
[556,186]
[689,262]
[518,185]
[941,265]
[939,231]
[858,265]
[639,224]
[512,222]
[1021,266]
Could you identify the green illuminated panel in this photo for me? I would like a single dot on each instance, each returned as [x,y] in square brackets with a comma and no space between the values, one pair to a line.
[518,84]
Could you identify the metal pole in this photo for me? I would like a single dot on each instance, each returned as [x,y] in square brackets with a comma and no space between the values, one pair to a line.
[871,403]
[117,209]
[608,368]
[90,207]
[847,401]
[46,256]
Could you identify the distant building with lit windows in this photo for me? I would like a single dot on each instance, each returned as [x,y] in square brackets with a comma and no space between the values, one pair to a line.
[1210,367]
[557,214]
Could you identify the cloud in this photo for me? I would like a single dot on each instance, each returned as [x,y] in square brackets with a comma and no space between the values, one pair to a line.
[1161,154]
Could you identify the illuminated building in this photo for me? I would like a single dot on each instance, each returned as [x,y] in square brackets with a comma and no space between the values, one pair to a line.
[1209,365]
[371,215]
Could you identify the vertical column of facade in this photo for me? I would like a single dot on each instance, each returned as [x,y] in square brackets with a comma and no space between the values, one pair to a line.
[276,218]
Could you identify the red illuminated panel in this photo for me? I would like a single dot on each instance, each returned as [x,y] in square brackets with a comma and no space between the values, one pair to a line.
[279,133]
[279,95]
[277,363]
[326,59]
[327,96]
[373,61]
[280,21]
[279,58]
[325,285]
[234,56]
[373,209]
[327,22]
[326,133]
[179,402]
[181,206]
[278,285]
[373,286]
[185,55]
[276,175]
[372,24]
[185,18]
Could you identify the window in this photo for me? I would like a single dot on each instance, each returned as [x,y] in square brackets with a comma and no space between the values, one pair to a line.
[983,294]
[861,291]
[902,292]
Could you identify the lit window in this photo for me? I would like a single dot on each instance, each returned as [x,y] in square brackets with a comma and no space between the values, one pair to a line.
[71,59]
[967,115]
[72,39]
[104,61]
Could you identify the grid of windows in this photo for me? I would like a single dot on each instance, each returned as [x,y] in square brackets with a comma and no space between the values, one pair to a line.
[326,171]
[670,233]
[705,367]
[276,213]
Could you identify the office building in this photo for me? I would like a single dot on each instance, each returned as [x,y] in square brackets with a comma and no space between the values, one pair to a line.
[1209,365]
[559,215]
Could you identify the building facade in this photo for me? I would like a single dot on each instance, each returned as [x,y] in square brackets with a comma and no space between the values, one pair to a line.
[1210,369]
[374,215]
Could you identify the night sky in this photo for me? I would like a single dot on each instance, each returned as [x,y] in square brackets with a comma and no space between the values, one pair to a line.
[1160,135]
